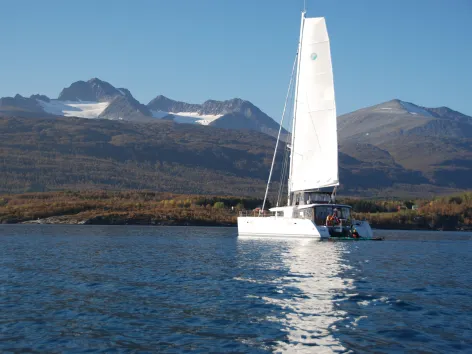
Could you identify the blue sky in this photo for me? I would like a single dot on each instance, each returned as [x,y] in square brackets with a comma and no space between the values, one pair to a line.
[193,50]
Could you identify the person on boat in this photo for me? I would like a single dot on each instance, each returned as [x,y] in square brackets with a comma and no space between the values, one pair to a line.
[332,219]
[354,233]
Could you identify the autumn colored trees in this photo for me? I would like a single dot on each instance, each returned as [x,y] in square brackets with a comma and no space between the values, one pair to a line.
[147,207]
[447,213]
[127,206]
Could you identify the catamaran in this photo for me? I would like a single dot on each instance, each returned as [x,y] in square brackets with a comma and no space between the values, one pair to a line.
[311,210]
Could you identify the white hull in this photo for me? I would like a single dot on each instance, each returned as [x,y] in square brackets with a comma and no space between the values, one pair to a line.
[280,227]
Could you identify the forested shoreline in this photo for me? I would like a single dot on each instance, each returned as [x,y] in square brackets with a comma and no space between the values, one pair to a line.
[441,213]
[153,208]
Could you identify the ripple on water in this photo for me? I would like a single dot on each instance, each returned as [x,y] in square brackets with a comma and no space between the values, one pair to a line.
[135,289]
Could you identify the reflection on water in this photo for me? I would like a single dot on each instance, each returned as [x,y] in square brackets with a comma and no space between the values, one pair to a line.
[408,294]
[312,278]
[145,289]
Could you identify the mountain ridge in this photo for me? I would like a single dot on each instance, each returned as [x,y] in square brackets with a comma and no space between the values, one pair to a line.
[434,141]
[179,158]
[234,113]
[380,147]
[96,98]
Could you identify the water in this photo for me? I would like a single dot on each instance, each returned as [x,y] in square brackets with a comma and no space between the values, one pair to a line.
[173,290]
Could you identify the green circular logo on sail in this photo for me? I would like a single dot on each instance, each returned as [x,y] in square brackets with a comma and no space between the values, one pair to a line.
[313,56]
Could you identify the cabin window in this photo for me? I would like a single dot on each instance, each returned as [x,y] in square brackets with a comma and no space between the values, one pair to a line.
[321,214]
[344,213]
[323,211]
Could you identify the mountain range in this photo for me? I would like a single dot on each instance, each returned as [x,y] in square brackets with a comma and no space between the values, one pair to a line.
[435,142]
[395,148]
[99,99]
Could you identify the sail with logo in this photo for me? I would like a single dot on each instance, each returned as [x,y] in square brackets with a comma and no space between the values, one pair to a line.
[315,145]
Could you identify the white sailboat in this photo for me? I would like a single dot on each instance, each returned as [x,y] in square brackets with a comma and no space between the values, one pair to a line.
[313,167]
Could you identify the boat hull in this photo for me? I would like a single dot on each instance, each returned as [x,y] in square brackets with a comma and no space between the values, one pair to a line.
[280,227]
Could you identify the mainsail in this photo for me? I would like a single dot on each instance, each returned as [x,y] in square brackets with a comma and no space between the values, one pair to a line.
[314,157]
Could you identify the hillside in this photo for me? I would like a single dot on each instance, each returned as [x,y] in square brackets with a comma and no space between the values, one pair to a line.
[395,148]
[41,154]
[435,142]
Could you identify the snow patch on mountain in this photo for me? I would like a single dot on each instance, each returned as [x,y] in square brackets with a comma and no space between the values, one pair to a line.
[188,117]
[80,109]
[414,109]
[195,117]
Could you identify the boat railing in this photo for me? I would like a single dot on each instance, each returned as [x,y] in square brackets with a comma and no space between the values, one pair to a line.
[256,213]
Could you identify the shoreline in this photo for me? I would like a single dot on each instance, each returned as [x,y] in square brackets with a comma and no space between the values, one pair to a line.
[100,220]
[166,209]
[126,221]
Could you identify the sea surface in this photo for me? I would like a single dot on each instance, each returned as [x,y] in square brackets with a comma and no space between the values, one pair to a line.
[125,289]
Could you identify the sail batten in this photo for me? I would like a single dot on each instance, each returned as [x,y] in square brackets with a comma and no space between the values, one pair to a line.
[315,146]
[319,42]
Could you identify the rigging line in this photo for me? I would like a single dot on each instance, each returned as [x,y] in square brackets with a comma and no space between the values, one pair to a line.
[282,176]
[297,83]
[280,130]
[285,159]
[281,181]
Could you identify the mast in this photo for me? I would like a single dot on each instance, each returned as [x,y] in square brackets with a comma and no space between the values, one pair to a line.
[295,106]
[278,135]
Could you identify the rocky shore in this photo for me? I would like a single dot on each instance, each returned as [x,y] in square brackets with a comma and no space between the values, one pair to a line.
[124,220]
[119,220]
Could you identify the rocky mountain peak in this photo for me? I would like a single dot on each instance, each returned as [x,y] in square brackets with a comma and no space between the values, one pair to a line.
[40,97]
[20,103]
[164,104]
[125,107]
[92,90]
[238,105]
[96,80]
[125,92]
[449,114]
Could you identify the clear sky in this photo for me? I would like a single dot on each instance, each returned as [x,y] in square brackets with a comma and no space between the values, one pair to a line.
[193,50]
